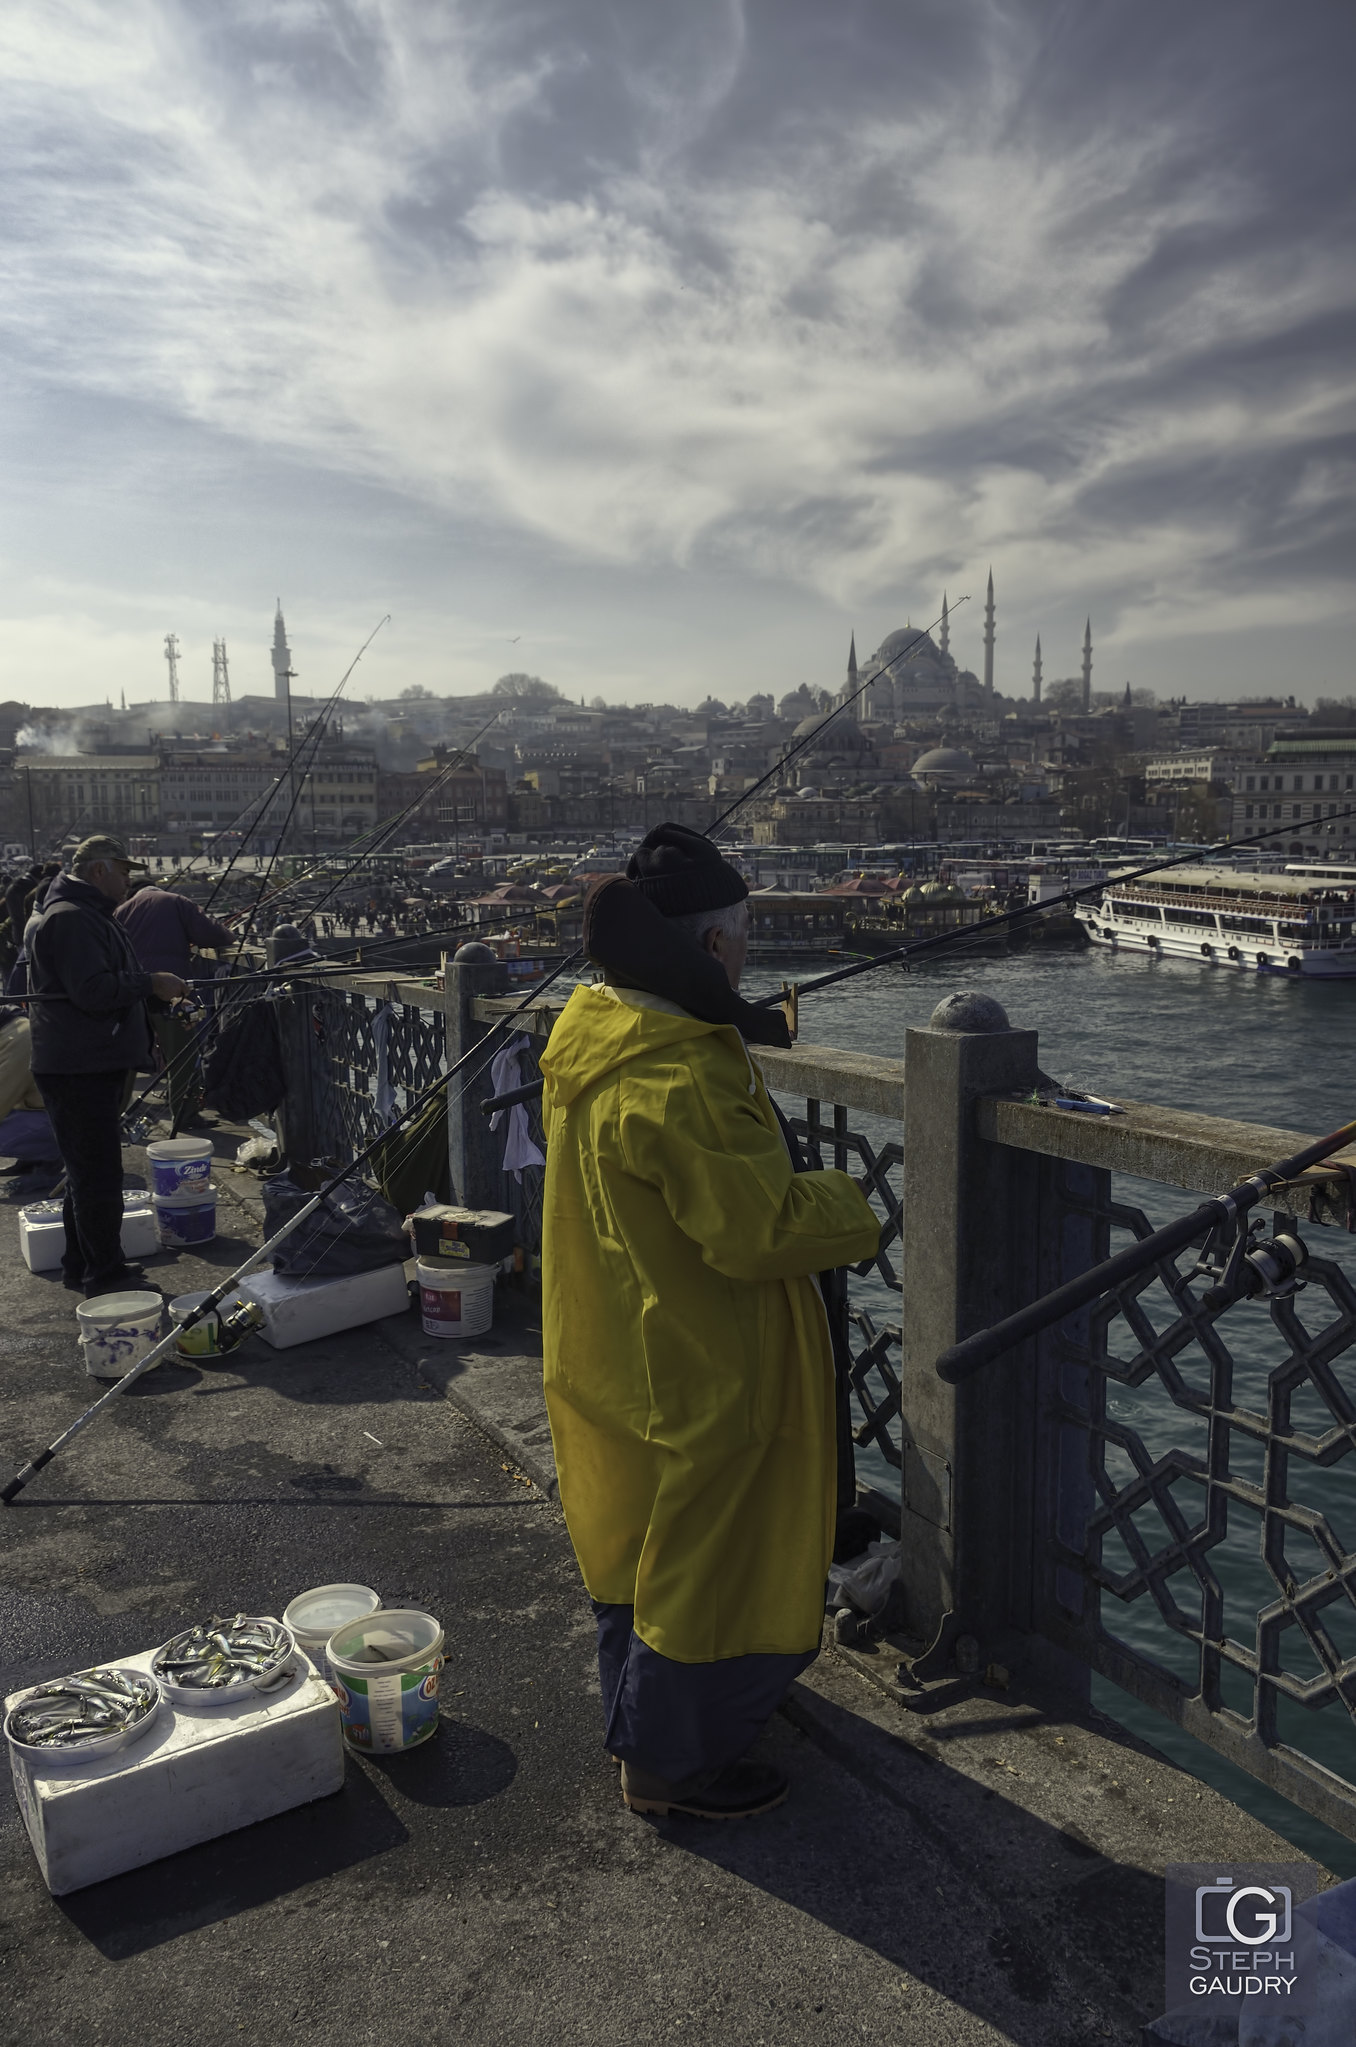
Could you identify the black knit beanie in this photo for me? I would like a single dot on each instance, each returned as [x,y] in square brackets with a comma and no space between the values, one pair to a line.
[679,871]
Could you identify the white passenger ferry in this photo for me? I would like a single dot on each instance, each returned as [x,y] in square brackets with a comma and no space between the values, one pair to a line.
[1294,924]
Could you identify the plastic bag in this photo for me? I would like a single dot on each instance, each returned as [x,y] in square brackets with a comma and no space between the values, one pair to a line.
[867,1582]
[354,1230]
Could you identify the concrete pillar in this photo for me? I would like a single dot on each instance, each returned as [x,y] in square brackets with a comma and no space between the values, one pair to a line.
[474,1151]
[970,1217]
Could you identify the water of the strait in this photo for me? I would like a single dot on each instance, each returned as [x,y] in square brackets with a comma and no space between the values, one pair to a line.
[1261,1049]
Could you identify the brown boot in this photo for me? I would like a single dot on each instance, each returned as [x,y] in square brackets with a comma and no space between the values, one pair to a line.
[738,1792]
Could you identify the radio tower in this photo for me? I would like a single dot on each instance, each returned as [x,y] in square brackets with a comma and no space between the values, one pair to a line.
[172,658]
[221,680]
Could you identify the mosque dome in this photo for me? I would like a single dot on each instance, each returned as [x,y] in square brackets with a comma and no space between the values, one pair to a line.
[913,898]
[944,760]
[843,736]
[909,639]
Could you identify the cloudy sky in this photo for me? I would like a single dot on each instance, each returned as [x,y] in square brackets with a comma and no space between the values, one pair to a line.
[651,347]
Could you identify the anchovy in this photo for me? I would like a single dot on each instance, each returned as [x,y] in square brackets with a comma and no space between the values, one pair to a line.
[82,1708]
[213,1654]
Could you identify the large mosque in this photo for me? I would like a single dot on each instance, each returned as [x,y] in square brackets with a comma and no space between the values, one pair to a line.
[913,675]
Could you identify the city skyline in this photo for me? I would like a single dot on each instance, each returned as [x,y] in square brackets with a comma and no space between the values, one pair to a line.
[654,354]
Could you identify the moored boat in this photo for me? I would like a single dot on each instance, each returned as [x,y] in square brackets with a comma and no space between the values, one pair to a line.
[1298,925]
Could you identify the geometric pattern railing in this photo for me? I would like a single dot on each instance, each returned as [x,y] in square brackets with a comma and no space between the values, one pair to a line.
[355,1047]
[873,1373]
[334,1036]
[1201,1498]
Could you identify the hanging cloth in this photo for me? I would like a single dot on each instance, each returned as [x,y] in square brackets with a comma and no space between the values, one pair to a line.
[505,1076]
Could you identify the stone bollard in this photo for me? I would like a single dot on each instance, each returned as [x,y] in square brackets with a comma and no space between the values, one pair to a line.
[473,1149]
[969,1217]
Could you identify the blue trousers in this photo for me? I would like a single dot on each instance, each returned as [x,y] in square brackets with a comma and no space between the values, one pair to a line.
[681,1720]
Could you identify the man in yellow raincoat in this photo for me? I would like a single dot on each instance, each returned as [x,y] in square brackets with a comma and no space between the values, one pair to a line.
[688,1366]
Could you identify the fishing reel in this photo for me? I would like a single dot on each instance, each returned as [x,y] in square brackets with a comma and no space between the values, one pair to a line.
[1246,1264]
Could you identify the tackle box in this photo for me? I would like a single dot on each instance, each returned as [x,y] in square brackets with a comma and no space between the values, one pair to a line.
[194,1775]
[42,1234]
[482,1235]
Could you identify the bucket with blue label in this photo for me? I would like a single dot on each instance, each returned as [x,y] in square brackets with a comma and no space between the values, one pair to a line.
[384,1669]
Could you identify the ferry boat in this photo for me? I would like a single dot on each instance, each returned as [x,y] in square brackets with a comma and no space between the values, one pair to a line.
[1299,925]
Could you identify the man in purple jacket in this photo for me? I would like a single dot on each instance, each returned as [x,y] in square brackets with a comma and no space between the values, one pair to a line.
[163,928]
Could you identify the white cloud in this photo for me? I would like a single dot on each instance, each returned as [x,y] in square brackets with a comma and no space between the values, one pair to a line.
[918,340]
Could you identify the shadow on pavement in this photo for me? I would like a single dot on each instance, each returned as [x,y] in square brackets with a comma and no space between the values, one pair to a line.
[461,1765]
[990,1905]
[235,1873]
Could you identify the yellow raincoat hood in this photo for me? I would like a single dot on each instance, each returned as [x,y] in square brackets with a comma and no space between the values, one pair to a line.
[689,1375]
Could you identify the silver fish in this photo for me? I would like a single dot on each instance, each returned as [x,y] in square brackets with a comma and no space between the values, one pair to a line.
[213,1654]
[84,1707]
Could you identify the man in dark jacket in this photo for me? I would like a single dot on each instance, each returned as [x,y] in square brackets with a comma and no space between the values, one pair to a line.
[86,1043]
[163,928]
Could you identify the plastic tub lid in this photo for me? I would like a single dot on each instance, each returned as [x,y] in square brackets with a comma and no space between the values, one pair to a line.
[118,1307]
[327,1607]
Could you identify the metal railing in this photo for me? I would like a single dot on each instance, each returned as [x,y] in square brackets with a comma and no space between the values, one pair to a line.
[1195,1511]
[356,1050]
[1183,1518]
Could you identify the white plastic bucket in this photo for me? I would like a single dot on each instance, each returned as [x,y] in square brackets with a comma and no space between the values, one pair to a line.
[117,1331]
[384,1669]
[181,1166]
[185,1219]
[314,1616]
[456,1300]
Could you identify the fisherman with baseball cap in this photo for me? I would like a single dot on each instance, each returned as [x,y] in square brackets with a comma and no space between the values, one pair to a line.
[688,1365]
[87,1042]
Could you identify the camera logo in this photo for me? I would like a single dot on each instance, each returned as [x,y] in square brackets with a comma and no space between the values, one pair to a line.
[1242,1941]
[1250,1915]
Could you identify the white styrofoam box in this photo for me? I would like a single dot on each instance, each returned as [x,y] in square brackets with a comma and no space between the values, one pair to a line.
[42,1235]
[194,1776]
[300,1310]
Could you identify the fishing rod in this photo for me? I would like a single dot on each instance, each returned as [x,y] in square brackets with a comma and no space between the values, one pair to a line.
[314,735]
[213,1299]
[1265,1268]
[717,823]
[966,934]
[316,731]
[379,832]
[29,1471]
[896,661]
[1025,912]
[376,834]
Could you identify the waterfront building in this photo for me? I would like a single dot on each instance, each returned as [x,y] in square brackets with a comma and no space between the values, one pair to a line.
[1303,782]
[206,791]
[82,793]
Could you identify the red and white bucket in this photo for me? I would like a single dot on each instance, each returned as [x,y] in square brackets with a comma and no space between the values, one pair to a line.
[456,1298]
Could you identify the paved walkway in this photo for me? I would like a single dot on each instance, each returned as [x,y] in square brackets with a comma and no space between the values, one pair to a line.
[984,1873]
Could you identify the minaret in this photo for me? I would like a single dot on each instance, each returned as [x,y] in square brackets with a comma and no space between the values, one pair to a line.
[988,643]
[944,637]
[1036,673]
[850,686]
[1087,668]
[282,659]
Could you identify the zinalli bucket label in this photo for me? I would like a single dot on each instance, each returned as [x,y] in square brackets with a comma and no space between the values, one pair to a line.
[390,1710]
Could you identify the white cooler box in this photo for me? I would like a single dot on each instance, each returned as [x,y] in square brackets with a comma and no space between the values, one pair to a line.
[42,1235]
[194,1775]
[300,1310]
